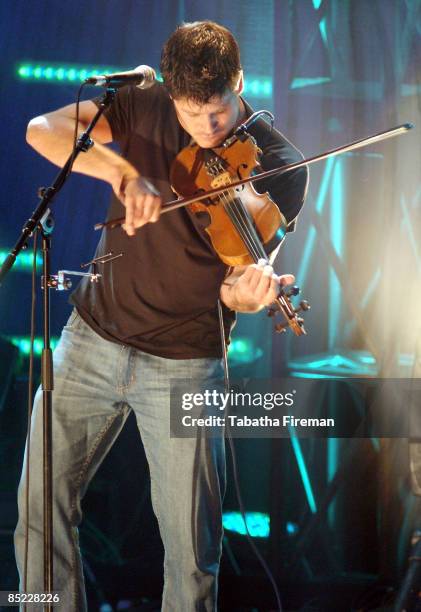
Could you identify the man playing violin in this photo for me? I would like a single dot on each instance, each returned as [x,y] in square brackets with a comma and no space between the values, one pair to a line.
[153,316]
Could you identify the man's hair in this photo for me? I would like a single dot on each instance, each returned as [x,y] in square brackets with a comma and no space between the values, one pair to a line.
[200,60]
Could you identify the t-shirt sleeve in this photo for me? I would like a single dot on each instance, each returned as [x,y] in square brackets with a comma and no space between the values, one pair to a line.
[122,114]
[287,190]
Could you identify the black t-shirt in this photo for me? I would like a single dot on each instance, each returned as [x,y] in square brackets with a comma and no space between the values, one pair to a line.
[161,295]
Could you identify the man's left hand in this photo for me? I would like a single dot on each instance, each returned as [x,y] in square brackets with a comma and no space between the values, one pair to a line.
[257,287]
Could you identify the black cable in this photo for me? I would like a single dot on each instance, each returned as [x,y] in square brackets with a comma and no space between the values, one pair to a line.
[30,394]
[73,155]
[253,546]
[243,514]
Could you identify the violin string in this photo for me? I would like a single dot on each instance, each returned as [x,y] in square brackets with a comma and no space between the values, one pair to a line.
[242,220]
[238,223]
[242,229]
[236,207]
[234,212]
[248,222]
[233,209]
[234,217]
[243,217]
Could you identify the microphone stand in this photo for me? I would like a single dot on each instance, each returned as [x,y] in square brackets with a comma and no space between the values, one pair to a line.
[41,217]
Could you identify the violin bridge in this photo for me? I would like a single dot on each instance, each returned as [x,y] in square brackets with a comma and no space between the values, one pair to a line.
[221,180]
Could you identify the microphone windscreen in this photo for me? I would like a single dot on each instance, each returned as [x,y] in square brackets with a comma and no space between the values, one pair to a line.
[149,76]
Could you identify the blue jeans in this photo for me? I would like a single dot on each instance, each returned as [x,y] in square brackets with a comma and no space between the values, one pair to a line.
[96,384]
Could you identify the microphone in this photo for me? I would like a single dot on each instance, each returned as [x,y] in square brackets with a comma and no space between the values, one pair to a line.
[142,76]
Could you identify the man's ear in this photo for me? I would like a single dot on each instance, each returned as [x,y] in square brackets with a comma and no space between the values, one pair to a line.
[239,88]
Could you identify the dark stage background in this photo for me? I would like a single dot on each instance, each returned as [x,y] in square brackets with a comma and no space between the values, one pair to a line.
[341,511]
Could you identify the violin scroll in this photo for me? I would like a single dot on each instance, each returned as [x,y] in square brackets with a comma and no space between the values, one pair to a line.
[284,305]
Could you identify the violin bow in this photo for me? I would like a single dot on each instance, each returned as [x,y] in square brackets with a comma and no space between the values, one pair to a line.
[357,144]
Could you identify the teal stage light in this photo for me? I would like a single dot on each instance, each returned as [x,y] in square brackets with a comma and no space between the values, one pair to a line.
[24,344]
[243,350]
[258,523]
[299,82]
[61,73]
[291,528]
[23,260]
[254,86]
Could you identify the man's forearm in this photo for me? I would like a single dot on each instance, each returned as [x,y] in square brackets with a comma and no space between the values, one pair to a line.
[52,137]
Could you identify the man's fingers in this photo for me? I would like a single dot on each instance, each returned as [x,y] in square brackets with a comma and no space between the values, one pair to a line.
[142,202]
[254,273]
[286,279]
[148,210]
[250,273]
[129,203]
[140,211]
[265,284]
[151,208]
[261,282]
[148,203]
[156,212]
[272,292]
[256,280]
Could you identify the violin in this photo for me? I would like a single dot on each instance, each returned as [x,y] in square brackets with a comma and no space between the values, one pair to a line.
[245,226]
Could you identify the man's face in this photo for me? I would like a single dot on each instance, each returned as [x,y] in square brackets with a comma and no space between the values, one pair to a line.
[209,124]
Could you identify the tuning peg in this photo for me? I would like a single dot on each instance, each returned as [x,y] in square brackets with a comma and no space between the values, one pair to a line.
[281,328]
[271,312]
[294,322]
[304,306]
[293,291]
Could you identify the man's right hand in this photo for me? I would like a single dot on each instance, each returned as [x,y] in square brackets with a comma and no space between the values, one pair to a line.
[52,136]
[142,202]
